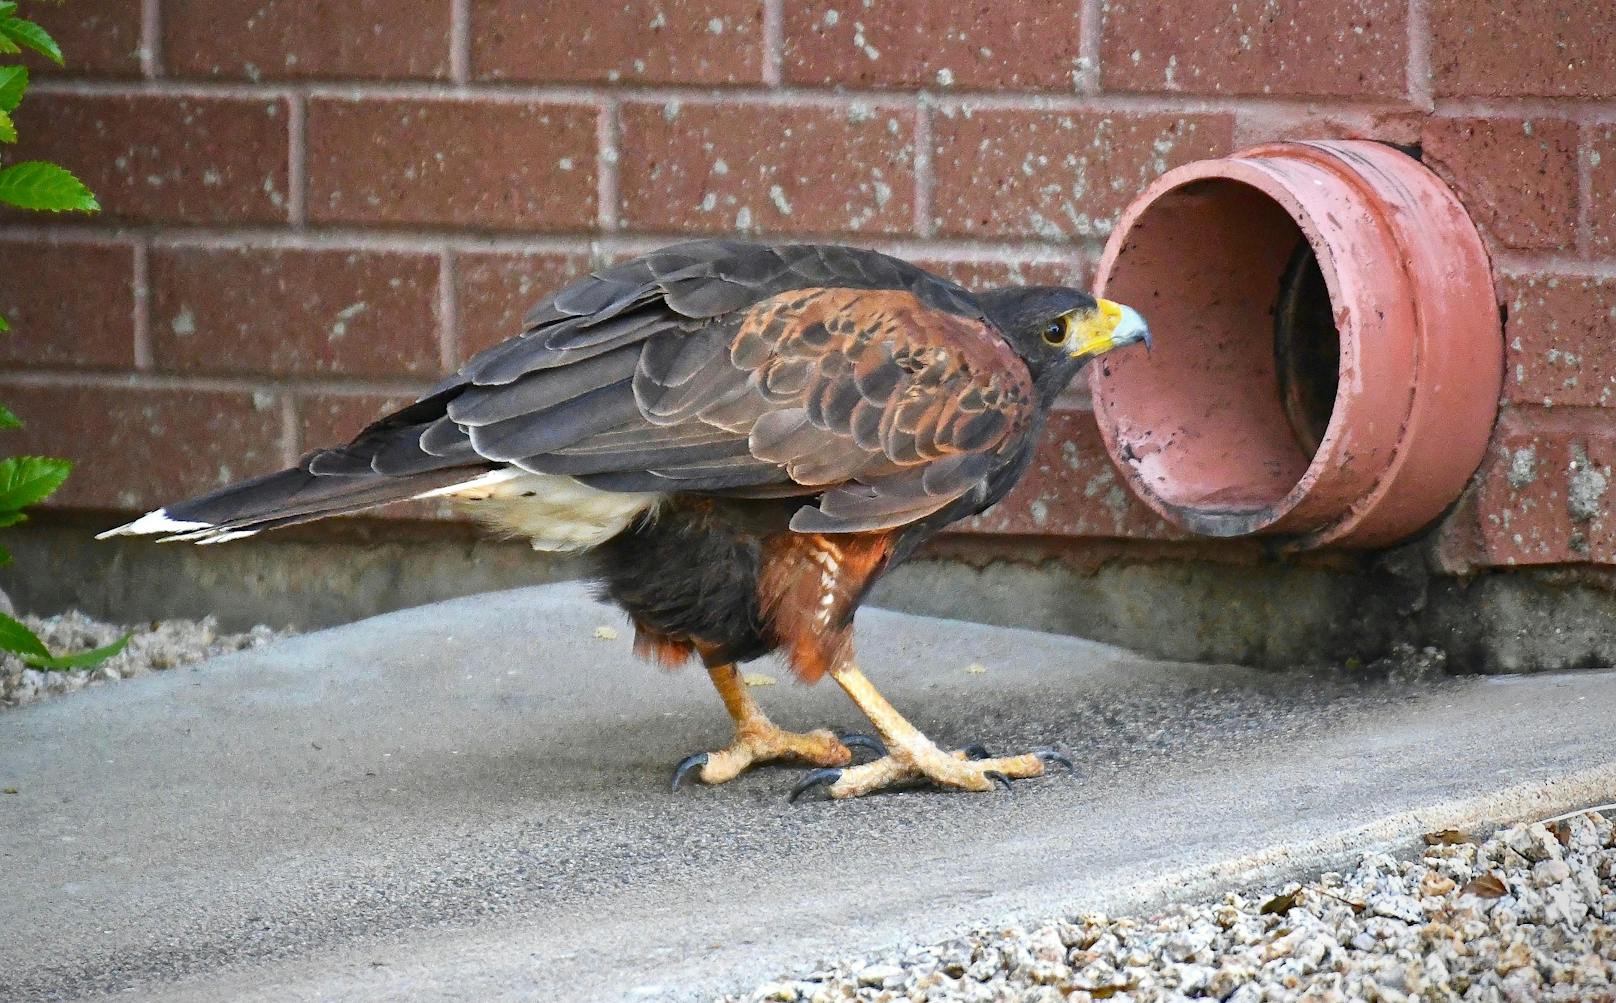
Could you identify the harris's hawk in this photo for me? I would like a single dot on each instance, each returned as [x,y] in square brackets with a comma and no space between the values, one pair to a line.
[746,436]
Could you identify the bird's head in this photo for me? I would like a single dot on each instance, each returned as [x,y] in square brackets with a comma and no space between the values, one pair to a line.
[1058,330]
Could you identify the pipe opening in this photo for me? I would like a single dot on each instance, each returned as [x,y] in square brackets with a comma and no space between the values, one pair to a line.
[1307,348]
[1223,420]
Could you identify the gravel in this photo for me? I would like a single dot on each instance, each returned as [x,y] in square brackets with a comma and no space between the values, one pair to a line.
[1529,914]
[164,644]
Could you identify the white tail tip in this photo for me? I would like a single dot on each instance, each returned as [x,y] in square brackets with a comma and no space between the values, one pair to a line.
[153,522]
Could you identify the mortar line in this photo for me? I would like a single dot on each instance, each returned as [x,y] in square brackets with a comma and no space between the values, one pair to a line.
[1138,102]
[1418,66]
[140,320]
[607,182]
[773,42]
[333,386]
[151,38]
[297,155]
[460,41]
[924,182]
[1585,189]
[1526,264]
[1089,27]
[448,311]
[291,429]
[431,242]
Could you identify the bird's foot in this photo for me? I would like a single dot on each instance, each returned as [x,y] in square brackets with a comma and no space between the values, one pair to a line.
[967,769]
[764,743]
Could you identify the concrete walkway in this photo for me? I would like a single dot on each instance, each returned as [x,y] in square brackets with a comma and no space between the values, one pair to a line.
[468,801]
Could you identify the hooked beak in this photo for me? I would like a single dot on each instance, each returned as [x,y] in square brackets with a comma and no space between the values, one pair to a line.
[1110,325]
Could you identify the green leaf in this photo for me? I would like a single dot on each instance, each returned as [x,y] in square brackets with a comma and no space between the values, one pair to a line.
[18,639]
[12,518]
[8,129]
[79,659]
[34,184]
[4,327]
[31,35]
[5,557]
[8,47]
[13,82]
[27,480]
[8,8]
[8,419]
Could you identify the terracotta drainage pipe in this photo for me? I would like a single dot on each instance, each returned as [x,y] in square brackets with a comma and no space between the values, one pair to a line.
[1328,347]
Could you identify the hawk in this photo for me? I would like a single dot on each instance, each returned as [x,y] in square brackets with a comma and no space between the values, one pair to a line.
[746,436]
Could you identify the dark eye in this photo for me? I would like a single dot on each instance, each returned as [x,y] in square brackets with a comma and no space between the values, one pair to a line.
[1055,333]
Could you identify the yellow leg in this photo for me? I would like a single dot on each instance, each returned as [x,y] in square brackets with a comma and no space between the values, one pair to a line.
[759,740]
[914,757]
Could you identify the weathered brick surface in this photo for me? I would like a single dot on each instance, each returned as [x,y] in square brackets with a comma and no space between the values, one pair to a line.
[68,304]
[1351,48]
[138,448]
[101,38]
[325,420]
[936,44]
[1072,490]
[1516,176]
[1551,48]
[294,312]
[1543,494]
[269,39]
[1056,175]
[494,290]
[1558,337]
[686,41]
[481,164]
[716,168]
[163,158]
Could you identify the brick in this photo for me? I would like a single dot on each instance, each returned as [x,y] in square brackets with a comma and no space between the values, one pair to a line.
[332,419]
[303,312]
[1056,175]
[99,39]
[138,448]
[638,41]
[1559,349]
[940,44]
[495,289]
[68,304]
[1601,154]
[272,39]
[979,275]
[159,158]
[1350,48]
[1543,492]
[1517,177]
[1560,48]
[718,168]
[486,164]
[1072,489]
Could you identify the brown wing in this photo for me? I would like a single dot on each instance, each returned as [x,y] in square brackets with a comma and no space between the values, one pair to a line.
[723,366]
[889,407]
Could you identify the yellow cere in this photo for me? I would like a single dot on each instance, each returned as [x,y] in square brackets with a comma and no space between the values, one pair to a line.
[1094,330]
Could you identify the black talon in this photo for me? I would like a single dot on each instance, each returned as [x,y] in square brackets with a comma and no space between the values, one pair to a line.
[824,776]
[1051,756]
[865,742]
[685,766]
[976,750]
[998,778]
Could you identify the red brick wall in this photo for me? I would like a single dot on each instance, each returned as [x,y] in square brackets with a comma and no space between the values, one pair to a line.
[313,207]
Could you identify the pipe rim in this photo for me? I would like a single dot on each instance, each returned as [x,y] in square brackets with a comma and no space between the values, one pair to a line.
[1379,262]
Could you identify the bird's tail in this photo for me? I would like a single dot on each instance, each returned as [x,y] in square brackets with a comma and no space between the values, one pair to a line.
[385,463]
